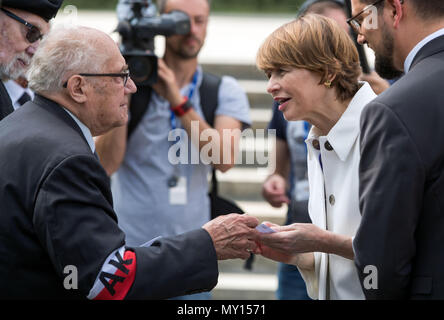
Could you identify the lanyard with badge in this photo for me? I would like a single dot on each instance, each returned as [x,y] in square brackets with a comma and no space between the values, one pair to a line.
[177,184]
[301,190]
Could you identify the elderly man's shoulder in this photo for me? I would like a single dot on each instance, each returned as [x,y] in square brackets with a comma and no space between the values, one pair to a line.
[36,135]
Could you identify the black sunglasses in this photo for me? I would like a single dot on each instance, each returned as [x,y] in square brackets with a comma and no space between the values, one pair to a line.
[355,24]
[33,33]
[124,75]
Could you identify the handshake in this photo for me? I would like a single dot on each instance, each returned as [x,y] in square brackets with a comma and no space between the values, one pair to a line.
[236,236]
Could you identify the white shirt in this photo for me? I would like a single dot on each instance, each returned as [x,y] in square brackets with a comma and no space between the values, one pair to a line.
[334,199]
[16,91]
[408,61]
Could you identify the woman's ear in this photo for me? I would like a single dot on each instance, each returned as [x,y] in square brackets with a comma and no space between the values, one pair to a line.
[328,79]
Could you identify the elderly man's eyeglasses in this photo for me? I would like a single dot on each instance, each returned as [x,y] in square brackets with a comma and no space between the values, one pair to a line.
[354,23]
[124,75]
[33,33]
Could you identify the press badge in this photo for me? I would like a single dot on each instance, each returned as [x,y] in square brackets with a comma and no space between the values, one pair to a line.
[178,193]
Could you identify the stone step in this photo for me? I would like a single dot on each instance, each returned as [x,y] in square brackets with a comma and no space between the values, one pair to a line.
[264,211]
[256,91]
[260,117]
[255,151]
[234,286]
[242,183]
[238,71]
[260,100]
[259,144]
[236,282]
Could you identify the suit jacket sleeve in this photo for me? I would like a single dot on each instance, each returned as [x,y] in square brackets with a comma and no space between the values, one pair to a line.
[391,177]
[76,224]
[175,266]
[5,102]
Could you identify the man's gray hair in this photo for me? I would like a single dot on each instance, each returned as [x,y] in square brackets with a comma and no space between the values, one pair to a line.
[161,4]
[65,51]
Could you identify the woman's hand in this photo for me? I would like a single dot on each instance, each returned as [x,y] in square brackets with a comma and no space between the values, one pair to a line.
[299,238]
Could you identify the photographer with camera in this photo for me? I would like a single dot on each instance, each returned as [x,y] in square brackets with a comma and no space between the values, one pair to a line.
[22,24]
[153,196]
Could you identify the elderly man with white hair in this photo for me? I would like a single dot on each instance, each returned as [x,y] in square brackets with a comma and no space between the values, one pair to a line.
[22,25]
[58,230]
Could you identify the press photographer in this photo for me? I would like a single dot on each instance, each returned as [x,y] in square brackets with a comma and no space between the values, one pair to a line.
[138,24]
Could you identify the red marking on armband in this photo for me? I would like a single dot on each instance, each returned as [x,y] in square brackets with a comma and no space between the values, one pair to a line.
[117,285]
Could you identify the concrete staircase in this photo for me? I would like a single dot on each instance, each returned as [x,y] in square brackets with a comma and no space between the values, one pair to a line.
[243,184]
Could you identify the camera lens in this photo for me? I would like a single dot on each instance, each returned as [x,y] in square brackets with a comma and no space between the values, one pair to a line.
[141,68]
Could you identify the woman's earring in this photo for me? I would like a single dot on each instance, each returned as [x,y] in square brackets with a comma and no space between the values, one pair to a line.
[327,83]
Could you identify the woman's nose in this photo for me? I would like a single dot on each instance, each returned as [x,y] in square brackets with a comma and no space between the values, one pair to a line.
[272,85]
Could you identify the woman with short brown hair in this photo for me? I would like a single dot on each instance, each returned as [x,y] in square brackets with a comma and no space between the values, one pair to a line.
[313,69]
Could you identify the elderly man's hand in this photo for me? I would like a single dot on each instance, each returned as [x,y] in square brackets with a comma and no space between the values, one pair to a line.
[233,235]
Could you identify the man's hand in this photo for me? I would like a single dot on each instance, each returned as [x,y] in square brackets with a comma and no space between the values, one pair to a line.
[274,191]
[233,235]
[166,85]
[378,84]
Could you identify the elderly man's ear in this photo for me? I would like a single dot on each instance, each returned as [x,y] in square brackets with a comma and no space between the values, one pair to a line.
[77,89]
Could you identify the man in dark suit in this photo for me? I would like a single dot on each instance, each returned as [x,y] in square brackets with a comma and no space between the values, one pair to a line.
[22,23]
[59,236]
[399,247]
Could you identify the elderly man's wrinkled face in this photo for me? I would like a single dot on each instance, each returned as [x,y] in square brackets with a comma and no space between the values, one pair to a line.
[108,102]
[15,50]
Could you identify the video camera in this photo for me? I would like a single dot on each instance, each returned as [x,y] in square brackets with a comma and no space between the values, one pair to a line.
[138,24]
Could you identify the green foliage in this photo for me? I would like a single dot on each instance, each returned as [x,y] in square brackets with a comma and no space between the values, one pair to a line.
[92,4]
[257,6]
[250,6]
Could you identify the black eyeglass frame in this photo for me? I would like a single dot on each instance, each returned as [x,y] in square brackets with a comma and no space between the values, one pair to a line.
[34,34]
[124,75]
[354,24]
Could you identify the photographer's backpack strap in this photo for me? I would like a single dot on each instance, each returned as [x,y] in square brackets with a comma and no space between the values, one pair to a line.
[209,93]
[209,90]
[209,96]
[139,105]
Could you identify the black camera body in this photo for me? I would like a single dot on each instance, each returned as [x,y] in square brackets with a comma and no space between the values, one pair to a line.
[137,29]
